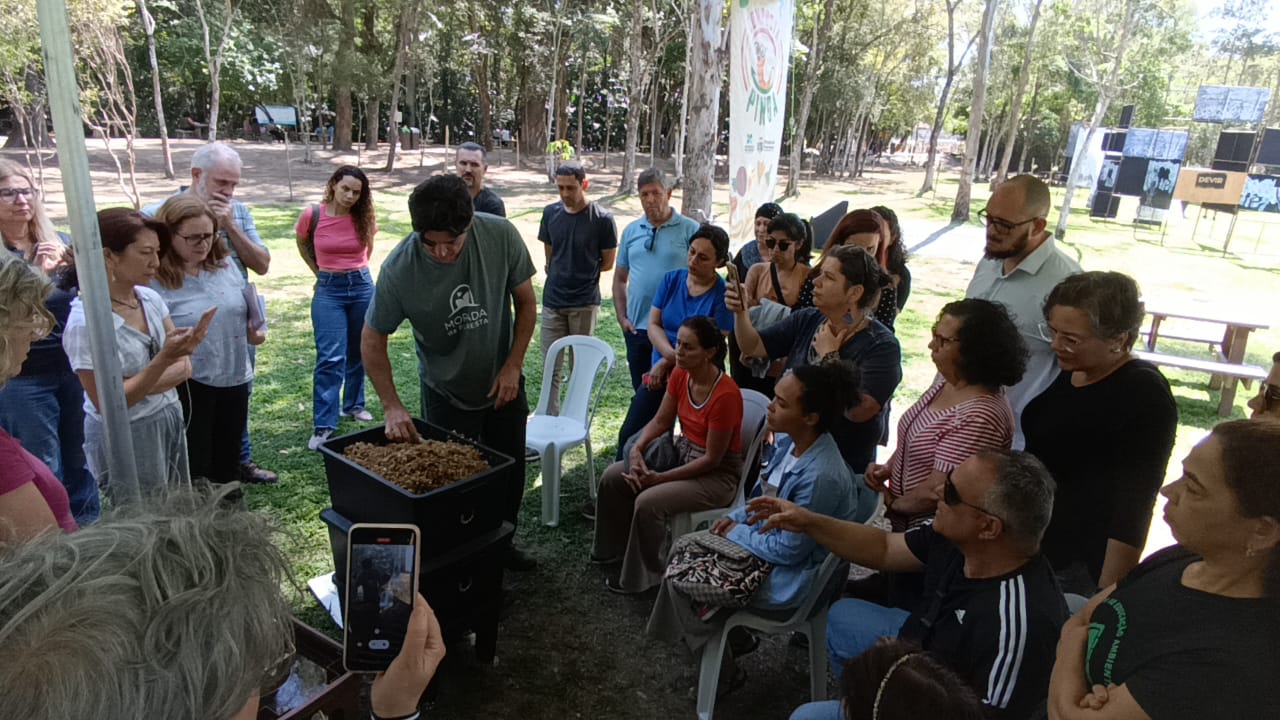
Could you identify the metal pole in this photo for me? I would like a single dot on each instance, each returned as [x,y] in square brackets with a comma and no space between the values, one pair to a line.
[1253,159]
[64,100]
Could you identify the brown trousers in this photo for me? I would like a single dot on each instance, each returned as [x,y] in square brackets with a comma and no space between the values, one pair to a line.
[635,525]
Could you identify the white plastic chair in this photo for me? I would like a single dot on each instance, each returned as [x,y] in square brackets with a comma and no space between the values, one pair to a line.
[552,435]
[809,618]
[755,410]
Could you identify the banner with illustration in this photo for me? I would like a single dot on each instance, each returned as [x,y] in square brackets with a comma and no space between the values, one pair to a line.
[759,56]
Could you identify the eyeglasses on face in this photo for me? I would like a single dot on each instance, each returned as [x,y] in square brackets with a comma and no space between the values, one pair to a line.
[11,195]
[1049,335]
[197,238]
[951,496]
[942,340]
[1000,223]
[782,245]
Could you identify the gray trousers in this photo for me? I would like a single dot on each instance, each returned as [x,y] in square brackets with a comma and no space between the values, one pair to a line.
[159,449]
[634,525]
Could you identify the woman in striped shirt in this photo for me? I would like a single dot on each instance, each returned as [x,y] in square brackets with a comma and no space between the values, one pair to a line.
[977,350]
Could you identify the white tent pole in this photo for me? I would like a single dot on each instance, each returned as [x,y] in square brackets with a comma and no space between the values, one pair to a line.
[64,100]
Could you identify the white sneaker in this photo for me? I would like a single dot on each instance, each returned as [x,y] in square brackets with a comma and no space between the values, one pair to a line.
[360,415]
[319,438]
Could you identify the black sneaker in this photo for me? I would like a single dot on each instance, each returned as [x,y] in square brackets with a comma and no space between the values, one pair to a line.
[252,474]
[589,509]
[531,455]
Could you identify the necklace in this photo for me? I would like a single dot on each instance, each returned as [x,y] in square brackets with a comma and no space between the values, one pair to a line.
[131,306]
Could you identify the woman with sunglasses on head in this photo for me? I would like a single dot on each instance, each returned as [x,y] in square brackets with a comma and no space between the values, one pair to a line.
[194,277]
[782,280]
[155,355]
[870,231]
[42,407]
[1191,632]
[840,323]
[1104,427]
[335,238]
[1266,404]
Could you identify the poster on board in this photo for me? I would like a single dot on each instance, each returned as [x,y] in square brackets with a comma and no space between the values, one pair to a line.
[759,55]
[1157,188]
[1225,104]
[1209,187]
[1261,194]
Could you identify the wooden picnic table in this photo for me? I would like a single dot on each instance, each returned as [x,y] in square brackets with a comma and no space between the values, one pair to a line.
[1229,351]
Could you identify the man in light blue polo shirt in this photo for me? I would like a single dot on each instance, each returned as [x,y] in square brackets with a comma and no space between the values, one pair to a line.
[651,246]
[1019,268]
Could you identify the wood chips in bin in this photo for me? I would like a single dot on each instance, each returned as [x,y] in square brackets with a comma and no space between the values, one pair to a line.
[419,467]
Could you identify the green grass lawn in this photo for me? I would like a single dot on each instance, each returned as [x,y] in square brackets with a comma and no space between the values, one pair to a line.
[569,648]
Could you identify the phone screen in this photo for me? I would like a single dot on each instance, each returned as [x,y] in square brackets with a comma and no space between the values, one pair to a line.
[382,580]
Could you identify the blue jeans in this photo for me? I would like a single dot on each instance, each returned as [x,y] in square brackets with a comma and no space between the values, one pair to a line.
[853,626]
[639,354]
[337,314]
[246,446]
[45,413]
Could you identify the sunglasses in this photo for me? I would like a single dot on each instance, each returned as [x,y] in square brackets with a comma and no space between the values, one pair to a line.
[951,496]
[1270,395]
[653,236]
[782,245]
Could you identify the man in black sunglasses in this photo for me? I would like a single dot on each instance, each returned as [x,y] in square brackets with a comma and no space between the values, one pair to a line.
[1021,264]
[1266,404]
[992,608]
[652,245]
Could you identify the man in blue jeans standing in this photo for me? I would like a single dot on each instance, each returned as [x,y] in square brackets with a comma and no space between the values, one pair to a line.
[652,245]
[992,608]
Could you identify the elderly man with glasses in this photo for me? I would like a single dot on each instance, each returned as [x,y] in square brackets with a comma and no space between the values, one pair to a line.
[991,610]
[652,245]
[1020,265]
[455,279]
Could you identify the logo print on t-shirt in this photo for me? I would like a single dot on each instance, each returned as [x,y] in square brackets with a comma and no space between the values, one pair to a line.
[461,298]
[960,615]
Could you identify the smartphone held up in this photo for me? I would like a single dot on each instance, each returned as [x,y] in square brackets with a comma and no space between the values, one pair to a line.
[381,582]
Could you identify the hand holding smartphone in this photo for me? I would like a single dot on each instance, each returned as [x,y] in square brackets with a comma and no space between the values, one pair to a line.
[381,583]
[739,301]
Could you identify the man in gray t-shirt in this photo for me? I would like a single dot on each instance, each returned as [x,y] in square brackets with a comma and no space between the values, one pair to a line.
[455,279]
[580,242]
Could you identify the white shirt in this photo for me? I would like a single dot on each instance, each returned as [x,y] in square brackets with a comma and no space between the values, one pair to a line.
[1023,292]
[136,350]
[222,360]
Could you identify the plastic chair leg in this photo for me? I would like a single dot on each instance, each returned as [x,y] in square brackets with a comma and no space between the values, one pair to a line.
[818,657]
[591,471]
[709,673]
[551,485]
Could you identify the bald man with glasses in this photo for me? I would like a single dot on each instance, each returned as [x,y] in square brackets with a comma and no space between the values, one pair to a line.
[1020,265]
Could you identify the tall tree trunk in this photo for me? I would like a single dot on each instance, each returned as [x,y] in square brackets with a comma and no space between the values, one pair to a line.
[1028,131]
[149,27]
[637,88]
[372,116]
[1015,113]
[1106,93]
[582,98]
[960,213]
[214,60]
[707,49]
[342,129]
[655,121]
[817,45]
[691,19]
[408,28]
[953,67]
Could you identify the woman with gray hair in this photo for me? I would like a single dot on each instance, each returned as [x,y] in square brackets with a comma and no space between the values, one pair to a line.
[172,610]
[31,498]
[41,405]
[1104,428]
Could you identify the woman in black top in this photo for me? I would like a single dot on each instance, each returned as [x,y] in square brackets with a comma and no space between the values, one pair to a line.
[1104,428]
[1192,632]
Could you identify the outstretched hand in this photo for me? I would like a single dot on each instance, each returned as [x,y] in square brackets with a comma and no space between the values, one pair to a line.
[777,514]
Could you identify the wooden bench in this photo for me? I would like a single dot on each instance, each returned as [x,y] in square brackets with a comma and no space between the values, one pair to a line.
[1231,372]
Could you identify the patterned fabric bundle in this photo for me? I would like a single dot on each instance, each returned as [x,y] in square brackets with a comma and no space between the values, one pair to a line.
[710,569]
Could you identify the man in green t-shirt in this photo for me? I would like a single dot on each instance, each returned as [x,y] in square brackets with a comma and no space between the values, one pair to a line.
[455,279]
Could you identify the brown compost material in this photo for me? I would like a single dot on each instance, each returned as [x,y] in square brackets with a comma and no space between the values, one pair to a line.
[419,467]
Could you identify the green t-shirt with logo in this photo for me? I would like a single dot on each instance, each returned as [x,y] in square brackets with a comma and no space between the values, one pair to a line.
[461,313]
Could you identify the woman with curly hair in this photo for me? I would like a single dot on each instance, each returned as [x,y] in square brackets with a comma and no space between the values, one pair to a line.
[872,231]
[335,239]
[978,352]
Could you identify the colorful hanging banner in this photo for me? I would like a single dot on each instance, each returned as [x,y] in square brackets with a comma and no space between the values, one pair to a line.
[760,53]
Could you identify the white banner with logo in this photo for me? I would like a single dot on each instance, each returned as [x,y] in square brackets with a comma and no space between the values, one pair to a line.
[759,56]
